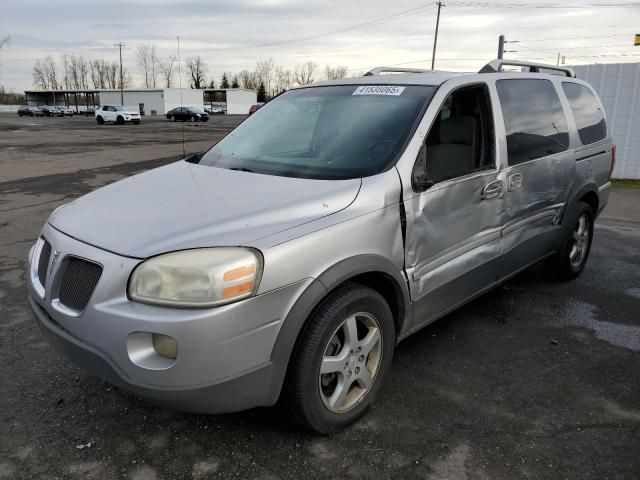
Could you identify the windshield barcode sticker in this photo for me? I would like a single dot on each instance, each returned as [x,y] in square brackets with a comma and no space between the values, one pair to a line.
[379,90]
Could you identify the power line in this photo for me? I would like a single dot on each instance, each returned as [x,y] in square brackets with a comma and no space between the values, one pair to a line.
[570,38]
[481,4]
[358,26]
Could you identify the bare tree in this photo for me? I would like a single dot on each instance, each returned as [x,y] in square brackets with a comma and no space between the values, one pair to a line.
[283,79]
[99,70]
[167,67]
[5,41]
[335,73]
[264,73]
[148,61]
[248,80]
[45,74]
[76,72]
[112,76]
[303,74]
[197,69]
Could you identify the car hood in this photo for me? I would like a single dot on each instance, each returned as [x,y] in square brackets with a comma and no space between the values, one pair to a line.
[184,205]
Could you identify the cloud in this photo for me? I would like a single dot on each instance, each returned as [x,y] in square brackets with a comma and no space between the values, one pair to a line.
[232,35]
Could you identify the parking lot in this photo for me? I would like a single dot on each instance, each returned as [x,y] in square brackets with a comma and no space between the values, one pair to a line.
[536,379]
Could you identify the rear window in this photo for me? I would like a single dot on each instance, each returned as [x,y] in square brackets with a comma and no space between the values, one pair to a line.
[586,111]
[533,118]
[333,132]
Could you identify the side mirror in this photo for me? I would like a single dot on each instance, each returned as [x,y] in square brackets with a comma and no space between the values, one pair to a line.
[419,180]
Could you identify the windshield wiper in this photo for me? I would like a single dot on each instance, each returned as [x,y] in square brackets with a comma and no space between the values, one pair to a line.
[242,169]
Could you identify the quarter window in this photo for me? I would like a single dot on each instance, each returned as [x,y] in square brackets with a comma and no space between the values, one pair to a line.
[586,111]
[533,118]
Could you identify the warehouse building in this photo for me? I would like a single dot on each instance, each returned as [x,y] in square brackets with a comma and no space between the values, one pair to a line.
[618,85]
[152,101]
[149,101]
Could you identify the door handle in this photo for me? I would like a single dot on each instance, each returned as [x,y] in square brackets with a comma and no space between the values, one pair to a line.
[492,190]
[514,182]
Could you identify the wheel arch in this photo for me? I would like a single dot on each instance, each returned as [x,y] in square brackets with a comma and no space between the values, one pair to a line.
[587,193]
[374,271]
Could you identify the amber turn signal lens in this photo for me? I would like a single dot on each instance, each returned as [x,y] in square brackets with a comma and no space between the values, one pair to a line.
[237,290]
[239,272]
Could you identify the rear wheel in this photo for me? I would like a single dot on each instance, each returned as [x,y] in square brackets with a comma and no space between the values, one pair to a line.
[340,359]
[574,251]
[100,120]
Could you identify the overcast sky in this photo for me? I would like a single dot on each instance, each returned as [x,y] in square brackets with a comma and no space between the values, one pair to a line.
[233,34]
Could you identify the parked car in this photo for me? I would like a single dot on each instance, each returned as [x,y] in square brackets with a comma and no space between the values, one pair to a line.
[290,259]
[66,111]
[118,114]
[89,112]
[254,108]
[215,110]
[28,111]
[187,114]
[51,111]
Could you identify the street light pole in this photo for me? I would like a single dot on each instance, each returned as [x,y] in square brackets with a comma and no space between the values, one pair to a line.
[120,45]
[435,38]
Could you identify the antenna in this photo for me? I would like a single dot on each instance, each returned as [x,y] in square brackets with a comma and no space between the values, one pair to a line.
[180,88]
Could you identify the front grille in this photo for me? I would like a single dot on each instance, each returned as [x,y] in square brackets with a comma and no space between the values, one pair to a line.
[43,262]
[78,282]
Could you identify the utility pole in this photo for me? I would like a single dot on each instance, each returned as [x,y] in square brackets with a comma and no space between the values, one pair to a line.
[435,38]
[120,45]
[501,47]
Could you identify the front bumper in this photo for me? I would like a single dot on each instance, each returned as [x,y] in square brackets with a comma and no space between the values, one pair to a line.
[224,353]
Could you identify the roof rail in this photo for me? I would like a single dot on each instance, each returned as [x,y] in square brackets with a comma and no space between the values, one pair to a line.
[379,70]
[495,66]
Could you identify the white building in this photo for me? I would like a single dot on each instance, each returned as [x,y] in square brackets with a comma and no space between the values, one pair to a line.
[158,101]
[618,85]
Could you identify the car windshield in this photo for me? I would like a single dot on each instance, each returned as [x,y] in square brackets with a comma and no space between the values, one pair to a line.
[120,108]
[334,132]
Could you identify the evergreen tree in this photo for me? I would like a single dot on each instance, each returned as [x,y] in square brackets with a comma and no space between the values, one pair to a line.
[262,93]
[224,83]
[212,84]
[235,83]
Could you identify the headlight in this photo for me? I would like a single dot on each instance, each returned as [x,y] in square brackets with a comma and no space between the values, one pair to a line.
[203,277]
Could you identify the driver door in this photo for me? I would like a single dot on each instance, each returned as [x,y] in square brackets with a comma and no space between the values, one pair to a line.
[453,227]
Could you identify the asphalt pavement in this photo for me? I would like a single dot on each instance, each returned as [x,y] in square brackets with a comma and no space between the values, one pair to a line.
[536,379]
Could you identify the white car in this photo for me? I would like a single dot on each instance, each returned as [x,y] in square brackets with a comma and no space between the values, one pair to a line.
[117,114]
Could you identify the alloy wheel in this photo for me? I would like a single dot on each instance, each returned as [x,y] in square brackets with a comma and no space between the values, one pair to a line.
[580,239]
[350,362]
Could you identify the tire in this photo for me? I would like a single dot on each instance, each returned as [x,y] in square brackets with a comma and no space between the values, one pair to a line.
[312,398]
[574,250]
[173,118]
[120,120]
[100,120]
[193,119]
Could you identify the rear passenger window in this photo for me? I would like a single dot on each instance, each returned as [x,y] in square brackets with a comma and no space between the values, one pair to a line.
[586,111]
[533,118]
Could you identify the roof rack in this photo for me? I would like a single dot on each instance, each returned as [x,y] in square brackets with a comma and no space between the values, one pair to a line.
[379,70]
[495,66]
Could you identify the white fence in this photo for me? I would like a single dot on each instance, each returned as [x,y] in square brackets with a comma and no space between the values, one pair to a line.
[618,85]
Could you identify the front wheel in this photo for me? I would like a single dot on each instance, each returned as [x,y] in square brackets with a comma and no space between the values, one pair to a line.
[574,251]
[173,118]
[340,359]
[120,120]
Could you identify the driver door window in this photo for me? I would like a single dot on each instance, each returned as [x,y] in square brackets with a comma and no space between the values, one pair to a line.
[460,140]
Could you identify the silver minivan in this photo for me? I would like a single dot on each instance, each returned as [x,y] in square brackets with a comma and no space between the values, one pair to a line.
[287,262]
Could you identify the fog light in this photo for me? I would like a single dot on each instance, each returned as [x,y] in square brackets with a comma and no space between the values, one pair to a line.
[165,345]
